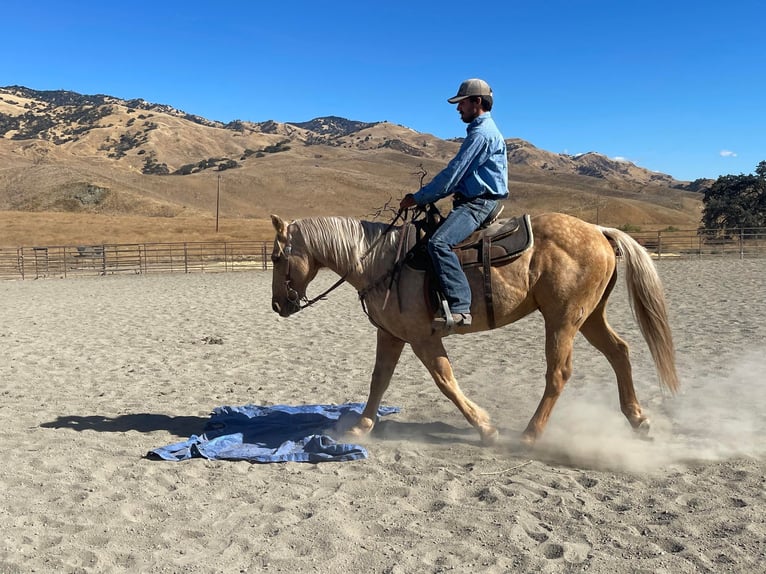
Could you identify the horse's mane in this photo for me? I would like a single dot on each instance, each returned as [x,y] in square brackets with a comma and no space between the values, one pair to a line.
[345,240]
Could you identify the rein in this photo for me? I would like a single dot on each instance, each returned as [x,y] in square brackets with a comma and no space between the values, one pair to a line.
[302,303]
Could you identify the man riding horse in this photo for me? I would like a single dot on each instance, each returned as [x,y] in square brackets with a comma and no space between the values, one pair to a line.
[478,178]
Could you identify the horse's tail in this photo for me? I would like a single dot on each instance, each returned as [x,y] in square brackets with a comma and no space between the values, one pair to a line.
[647,300]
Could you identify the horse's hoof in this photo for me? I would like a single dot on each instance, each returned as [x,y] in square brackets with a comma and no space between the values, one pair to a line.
[360,430]
[528,440]
[488,438]
[642,430]
[353,436]
[352,433]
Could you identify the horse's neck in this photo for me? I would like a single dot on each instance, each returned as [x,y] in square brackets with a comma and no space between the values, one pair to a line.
[361,263]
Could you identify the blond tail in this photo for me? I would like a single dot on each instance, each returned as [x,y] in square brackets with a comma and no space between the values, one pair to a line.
[647,300]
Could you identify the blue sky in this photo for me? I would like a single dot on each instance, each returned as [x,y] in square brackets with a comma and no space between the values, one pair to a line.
[675,87]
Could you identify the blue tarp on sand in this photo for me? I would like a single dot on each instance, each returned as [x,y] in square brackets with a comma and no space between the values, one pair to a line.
[279,433]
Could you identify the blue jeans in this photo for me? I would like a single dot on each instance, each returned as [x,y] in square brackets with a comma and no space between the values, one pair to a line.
[464,219]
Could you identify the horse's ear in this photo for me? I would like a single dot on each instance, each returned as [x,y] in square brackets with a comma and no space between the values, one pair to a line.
[279,225]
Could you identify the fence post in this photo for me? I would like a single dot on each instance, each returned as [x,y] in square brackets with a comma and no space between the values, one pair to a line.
[741,243]
[186,259]
[20,259]
[659,245]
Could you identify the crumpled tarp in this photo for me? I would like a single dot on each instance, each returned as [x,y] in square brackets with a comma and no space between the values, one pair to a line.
[278,433]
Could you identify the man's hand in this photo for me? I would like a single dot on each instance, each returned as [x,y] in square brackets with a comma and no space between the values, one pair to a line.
[408,201]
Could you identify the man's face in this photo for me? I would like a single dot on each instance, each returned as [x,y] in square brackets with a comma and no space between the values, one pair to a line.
[469,109]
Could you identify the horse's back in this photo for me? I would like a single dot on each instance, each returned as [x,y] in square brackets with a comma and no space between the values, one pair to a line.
[572,237]
[557,225]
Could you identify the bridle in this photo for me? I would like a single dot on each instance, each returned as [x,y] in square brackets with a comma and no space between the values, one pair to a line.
[293,297]
[300,302]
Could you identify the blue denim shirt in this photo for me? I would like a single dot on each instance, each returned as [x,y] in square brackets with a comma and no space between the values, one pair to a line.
[479,168]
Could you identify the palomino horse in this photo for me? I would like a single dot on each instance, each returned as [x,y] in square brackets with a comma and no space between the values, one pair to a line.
[567,275]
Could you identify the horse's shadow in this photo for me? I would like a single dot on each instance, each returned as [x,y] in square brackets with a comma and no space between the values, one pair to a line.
[427,432]
[185,426]
[435,432]
[182,426]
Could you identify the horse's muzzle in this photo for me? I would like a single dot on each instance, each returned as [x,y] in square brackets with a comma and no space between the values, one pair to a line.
[285,311]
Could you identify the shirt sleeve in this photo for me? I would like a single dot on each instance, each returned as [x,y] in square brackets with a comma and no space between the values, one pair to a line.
[446,181]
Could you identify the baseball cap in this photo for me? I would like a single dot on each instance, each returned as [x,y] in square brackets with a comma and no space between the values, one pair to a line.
[472,87]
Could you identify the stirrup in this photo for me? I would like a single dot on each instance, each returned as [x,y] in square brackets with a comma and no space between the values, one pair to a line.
[448,320]
[451,322]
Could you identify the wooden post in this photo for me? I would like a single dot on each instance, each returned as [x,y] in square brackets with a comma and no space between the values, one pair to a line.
[217,202]
[20,256]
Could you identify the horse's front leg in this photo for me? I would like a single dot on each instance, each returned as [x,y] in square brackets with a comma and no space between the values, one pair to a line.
[433,355]
[387,354]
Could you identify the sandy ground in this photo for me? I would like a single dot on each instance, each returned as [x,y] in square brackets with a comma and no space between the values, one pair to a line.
[96,372]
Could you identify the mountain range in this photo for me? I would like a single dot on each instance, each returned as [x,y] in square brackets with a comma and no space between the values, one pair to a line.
[61,151]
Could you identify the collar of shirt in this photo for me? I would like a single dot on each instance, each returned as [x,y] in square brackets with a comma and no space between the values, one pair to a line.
[478,121]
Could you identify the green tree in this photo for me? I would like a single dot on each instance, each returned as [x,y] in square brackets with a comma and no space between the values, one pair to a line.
[736,201]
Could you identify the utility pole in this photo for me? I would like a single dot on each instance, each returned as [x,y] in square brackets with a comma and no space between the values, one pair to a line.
[217,202]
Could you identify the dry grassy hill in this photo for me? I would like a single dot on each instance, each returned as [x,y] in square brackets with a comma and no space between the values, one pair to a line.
[77,169]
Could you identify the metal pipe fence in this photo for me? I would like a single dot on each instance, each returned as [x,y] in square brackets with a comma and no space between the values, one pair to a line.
[743,243]
[213,257]
[135,258]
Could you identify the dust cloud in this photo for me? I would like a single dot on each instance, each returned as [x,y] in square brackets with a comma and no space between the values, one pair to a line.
[714,418]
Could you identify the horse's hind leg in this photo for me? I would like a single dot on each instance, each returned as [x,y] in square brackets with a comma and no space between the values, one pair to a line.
[559,341]
[433,355]
[597,331]
[387,354]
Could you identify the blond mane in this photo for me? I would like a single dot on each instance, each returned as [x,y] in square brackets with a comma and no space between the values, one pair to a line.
[342,242]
